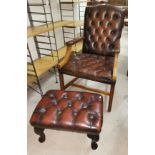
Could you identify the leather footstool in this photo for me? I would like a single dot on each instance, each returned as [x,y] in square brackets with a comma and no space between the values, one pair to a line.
[70,111]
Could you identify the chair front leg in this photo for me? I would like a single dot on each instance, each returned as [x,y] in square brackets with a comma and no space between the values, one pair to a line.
[111,97]
[61,79]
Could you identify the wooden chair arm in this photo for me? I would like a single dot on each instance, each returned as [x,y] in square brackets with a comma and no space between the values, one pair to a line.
[115,66]
[126,22]
[74,41]
[117,50]
[66,57]
[69,51]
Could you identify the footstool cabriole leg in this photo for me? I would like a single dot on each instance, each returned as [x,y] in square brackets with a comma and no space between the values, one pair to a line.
[40,132]
[95,139]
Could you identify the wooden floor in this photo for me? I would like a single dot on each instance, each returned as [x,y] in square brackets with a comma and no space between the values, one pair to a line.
[45,63]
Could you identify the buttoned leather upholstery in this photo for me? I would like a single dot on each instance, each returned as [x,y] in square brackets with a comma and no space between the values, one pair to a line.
[102,30]
[69,110]
[90,66]
[96,2]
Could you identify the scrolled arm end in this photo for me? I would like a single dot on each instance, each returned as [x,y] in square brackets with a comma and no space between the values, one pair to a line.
[68,52]
[66,57]
[74,41]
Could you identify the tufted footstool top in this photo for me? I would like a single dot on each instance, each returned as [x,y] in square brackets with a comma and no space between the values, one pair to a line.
[70,111]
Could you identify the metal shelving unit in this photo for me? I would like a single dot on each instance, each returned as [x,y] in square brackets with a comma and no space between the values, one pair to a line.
[81,5]
[47,38]
[67,11]
[42,30]
[32,78]
[39,14]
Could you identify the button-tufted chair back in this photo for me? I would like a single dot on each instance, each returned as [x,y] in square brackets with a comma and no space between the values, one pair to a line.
[102,29]
[95,2]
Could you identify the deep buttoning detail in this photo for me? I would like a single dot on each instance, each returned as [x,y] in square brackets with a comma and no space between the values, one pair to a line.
[81,116]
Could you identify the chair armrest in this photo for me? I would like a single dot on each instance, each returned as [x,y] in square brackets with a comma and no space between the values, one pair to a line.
[117,50]
[74,41]
[68,52]
[126,22]
[115,67]
[66,57]
[117,46]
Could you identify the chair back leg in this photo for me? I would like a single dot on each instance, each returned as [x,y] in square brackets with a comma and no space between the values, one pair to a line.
[61,79]
[111,97]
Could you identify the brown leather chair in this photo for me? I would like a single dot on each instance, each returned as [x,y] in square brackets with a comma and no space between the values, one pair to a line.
[101,45]
[96,2]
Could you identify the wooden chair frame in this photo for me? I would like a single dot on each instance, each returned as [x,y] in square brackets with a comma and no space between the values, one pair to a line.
[71,83]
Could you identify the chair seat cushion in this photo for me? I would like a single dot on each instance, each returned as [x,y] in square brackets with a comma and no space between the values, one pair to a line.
[90,66]
[70,111]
